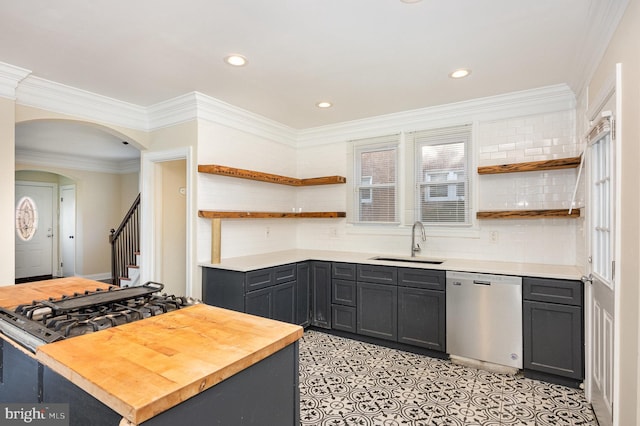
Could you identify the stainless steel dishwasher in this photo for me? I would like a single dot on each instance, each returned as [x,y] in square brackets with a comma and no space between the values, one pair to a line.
[484,318]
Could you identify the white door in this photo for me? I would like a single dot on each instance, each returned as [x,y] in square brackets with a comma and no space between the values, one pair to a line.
[601,285]
[35,225]
[68,230]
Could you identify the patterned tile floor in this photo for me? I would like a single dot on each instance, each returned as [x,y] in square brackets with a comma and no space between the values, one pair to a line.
[345,382]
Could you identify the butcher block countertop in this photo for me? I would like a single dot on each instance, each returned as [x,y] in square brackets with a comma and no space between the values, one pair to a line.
[145,367]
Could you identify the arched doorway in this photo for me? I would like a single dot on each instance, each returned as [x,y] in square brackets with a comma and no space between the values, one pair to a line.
[90,166]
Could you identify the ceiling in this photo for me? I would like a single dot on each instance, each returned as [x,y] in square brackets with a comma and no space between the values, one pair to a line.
[367,57]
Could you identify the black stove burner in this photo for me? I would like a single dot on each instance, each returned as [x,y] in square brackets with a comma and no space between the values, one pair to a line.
[86,313]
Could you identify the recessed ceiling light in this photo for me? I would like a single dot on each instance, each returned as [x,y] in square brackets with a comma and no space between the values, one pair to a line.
[236,60]
[461,73]
[324,104]
[410,1]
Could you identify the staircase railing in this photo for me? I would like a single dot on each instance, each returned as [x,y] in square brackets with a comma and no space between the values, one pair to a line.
[125,243]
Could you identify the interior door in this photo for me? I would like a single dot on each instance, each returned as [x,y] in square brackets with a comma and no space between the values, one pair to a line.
[68,230]
[35,226]
[601,285]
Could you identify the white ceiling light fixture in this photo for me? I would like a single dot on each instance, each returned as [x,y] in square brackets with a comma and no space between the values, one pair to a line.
[460,73]
[324,104]
[236,60]
[410,1]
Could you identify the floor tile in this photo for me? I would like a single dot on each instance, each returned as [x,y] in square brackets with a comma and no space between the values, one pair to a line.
[344,382]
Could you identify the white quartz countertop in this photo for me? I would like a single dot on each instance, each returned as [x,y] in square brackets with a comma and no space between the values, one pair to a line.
[267,260]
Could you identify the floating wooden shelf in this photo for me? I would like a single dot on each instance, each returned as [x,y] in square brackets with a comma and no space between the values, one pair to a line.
[531,166]
[268,177]
[529,214]
[209,214]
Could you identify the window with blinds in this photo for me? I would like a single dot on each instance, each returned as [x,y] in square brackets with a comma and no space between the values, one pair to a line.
[376,170]
[442,175]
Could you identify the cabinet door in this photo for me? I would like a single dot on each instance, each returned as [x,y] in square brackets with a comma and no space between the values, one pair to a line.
[553,339]
[283,300]
[421,318]
[303,294]
[321,294]
[259,302]
[377,310]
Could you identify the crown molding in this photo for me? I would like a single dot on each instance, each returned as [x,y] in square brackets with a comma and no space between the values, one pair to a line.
[196,105]
[603,23]
[10,77]
[49,95]
[527,102]
[64,161]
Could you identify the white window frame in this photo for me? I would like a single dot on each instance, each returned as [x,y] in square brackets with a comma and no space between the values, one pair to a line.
[442,136]
[383,143]
[602,206]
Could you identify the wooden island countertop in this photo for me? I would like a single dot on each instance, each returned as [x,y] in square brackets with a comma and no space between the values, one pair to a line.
[145,367]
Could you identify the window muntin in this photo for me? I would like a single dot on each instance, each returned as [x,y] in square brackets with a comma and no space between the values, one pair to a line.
[376,177]
[442,175]
[602,209]
[26,218]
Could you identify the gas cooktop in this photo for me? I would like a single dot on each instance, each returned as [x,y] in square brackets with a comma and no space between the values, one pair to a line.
[47,321]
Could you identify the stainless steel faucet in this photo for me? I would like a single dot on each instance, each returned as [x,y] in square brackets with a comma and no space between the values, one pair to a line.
[415,247]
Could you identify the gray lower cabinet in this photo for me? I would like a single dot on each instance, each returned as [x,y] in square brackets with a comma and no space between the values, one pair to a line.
[320,274]
[422,308]
[421,318]
[553,328]
[275,302]
[343,297]
[377,301]
[269,293]
[377,310]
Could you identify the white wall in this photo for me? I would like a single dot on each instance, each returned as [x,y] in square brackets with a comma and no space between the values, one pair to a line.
[7,195]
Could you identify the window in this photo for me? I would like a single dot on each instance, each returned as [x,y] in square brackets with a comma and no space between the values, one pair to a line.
[376,172]
[602,191]
[26,218]
[442,175]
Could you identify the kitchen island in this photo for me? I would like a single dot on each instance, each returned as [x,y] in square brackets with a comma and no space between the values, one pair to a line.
[195,365]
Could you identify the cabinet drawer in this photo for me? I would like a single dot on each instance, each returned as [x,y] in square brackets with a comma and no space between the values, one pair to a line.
[343,292]
[343,318]
[421,278]
[284,273]
[565,292]
[377,274]
[343,271]
[257,279]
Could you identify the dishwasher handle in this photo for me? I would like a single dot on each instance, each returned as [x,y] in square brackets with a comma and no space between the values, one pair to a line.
[480,282]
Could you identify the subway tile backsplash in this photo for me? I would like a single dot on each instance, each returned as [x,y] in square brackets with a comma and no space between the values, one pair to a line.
[531,138]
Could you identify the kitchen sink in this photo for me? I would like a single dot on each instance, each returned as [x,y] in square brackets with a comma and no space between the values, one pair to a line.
[409,259]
